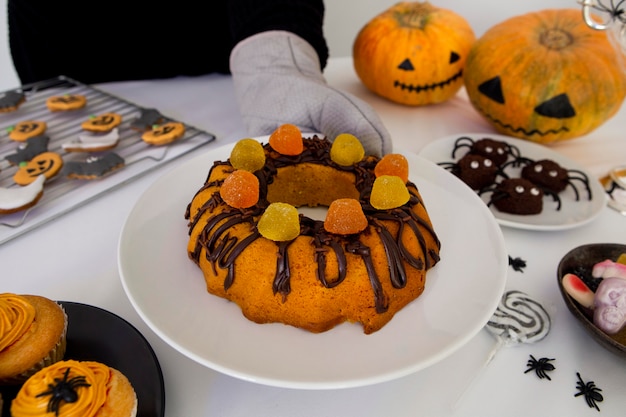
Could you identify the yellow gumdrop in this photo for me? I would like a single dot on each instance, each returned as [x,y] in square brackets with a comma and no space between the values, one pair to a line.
[280,222]
[388,192]
[621,259]
[346,150]
[248,155]
[345,217]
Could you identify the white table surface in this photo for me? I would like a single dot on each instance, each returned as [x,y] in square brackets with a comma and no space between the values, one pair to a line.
[74,258]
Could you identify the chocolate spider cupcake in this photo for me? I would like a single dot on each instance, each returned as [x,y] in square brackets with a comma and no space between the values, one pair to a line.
[76,388]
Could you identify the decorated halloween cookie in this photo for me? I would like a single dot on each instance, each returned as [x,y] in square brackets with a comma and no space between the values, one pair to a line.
[94,166]
[93,142]
[147,119]
[66,102]
[11,101]
[47,164]
[102,123]
[28,149]
[164,134]
[15,199]
[27,129]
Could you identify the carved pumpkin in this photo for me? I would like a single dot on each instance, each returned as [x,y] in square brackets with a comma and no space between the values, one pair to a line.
[413,53]
[544,76]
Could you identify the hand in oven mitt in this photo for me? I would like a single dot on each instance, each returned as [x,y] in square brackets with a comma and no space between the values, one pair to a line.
[278,80]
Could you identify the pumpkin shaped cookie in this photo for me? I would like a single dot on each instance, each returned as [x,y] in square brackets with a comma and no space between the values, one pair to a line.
[164,134]
[66,102]
[47,164]
[102,123]
[27,129]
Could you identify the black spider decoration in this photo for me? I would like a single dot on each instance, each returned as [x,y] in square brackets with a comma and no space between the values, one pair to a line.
[518,264]
[590,391]
[614,10]
[540,366]
[496,150]
[551,176]
[63,390]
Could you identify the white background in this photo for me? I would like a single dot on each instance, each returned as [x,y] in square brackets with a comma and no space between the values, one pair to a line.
[345,18]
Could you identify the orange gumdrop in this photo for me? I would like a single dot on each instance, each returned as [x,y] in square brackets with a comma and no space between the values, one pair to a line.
[345,217]
[287,140]
[240,189]
[393,164]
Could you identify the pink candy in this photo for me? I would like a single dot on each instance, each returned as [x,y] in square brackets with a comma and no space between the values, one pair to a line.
[609,269]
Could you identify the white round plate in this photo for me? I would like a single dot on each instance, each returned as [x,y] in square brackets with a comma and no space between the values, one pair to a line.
[168,291]
[572,213]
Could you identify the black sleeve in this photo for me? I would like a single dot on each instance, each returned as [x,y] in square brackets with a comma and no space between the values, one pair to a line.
[305,18]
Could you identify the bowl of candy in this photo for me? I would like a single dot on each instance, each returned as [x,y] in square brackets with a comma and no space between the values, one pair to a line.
[592,281]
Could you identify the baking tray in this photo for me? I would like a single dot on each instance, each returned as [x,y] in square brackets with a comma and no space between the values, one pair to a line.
[61,195]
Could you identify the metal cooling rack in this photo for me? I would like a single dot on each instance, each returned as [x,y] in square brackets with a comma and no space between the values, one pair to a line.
[62,195]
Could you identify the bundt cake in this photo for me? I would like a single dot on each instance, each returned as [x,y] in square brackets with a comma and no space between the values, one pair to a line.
[312,278]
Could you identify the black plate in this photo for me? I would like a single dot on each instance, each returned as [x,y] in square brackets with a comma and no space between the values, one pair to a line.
[99,335]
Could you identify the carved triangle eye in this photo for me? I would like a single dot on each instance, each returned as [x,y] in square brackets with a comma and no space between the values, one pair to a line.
[406,65]
[492,89]
[454,57]
[558,107]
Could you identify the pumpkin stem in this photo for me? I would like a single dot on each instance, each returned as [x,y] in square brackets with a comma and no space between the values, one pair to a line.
[414,15]
[556,39]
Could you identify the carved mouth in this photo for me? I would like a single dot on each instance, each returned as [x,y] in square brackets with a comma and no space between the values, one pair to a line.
[419,88]
[521,129]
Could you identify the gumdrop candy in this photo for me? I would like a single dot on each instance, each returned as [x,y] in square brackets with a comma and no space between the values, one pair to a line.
[389,192]
[287,140]
[345,217]
[346,150]
[240,189]
[280,222]
[393,164]
[247,154]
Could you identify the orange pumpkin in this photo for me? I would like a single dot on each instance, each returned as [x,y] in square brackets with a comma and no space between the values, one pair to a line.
[545,76]
[413,53]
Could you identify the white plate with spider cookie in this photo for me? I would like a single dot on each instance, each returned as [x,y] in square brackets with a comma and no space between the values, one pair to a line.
[524,184]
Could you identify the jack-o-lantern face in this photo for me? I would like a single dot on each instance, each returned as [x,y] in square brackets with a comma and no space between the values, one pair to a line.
[47,164]
[544,77]
[413,53]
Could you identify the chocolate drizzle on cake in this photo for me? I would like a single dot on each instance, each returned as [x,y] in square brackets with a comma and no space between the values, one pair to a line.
[222,249]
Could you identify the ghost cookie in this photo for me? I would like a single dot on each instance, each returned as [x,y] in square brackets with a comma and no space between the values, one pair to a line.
[15,199]
[102,123]
[93,142]
[66,102]
[164,134]
[11,101]
[28,149]
[27,129]
[47,164]
[94,167]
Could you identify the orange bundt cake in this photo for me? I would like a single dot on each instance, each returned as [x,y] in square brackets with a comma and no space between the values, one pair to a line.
[362,264]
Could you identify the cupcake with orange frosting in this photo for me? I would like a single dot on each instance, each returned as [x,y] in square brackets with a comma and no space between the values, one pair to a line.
[76,388]
[32,335]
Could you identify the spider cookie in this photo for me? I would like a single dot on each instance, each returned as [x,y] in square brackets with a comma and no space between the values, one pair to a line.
[11,101]
[66,102]
[28,149]
[164,134]
[94,166]
[16,199]
[27,129]
[102,123]
[93,142]
[47,164]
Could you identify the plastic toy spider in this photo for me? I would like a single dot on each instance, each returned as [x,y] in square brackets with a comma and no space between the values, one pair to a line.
[518,196]
[63,390]
[540,366]
[590,391]
[474,170]
[551,176]
[497,151]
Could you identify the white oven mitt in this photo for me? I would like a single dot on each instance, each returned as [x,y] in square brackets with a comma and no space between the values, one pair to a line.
[278,80]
